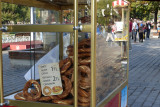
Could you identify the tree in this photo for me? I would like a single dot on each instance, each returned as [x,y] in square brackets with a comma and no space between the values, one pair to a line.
[15,13]
[102,4]
[144,9]
[155,6]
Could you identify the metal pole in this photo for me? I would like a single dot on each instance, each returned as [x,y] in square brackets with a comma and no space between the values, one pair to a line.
[123,20]
[61,37]
[32,21]
[1,60]
[128,16]
[93,51]
[71,38]
[75,54]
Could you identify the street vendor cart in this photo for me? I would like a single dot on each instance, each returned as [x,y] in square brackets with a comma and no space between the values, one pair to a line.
[65,63]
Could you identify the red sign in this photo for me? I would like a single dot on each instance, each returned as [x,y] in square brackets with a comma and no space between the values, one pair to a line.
[115,102]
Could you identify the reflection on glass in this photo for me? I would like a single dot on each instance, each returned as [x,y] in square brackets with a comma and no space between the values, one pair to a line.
[111,52]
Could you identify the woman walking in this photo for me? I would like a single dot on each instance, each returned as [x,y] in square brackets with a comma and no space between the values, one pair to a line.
[141,32]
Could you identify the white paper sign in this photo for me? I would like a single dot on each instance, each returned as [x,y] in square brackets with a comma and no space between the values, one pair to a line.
[51,83]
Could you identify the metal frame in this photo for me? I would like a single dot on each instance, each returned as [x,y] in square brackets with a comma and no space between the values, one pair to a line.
[75,54]
[93,51]
[46,28]
[66,28]
[1,60]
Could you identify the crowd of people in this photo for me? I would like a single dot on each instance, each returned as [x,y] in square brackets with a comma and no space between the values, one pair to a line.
[137,29]
[107,32]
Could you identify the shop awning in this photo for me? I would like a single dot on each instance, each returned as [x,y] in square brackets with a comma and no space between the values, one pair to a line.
[120,3]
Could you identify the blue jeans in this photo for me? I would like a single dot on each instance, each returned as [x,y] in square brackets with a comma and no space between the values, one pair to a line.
[134,35]
[148,33]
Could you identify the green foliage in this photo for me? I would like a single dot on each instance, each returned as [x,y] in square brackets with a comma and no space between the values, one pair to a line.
[102,4]
[144,10]
[15,13]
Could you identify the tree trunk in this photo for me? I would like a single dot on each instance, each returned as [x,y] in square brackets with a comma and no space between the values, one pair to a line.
[155,18]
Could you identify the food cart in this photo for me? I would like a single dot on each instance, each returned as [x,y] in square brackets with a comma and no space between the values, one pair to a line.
[66,68]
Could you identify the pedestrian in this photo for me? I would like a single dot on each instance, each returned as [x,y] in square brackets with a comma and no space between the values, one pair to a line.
[141,32]
[137,30]
[134,30]
[144,30]
[98,30]
[110,34]
[103,31]
[130,33]
[148,29]
[114,30]
[158,28]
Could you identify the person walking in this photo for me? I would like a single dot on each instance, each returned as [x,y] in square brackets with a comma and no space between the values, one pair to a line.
[141,32]
[98,30]
[158,28]
[110,34]
[144,31]
[130,33]
[134,30]
[148,29]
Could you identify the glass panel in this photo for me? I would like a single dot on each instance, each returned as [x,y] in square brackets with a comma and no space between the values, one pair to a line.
[32,49]
[111,49]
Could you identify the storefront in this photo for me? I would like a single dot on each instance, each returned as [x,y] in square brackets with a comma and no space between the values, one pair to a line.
[67,63]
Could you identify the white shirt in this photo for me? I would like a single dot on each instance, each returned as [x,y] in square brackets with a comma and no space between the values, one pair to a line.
[149,27]
[134,26]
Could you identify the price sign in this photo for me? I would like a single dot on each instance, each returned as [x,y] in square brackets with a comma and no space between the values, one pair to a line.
[50,78]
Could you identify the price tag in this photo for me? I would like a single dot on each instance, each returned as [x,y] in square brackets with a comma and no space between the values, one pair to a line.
[51,83]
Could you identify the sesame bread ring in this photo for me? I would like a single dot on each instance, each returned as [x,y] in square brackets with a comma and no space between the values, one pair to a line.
[33,91]
[81,50]
[84,42]
[84,85]
[84,104]
[85,74]
[84,50]
[84,69]
[19,96]
[83,93]
[82,55]
[45,98]
[65,102]
[66,65]
[55,97]
[72,92]
[67,87]
[27,95]
[47,91]
[86,61]
[83,99]
[62,62]
[69,72]
[70,48]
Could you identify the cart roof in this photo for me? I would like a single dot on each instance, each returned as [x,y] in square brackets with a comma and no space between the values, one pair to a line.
[64,2]
[49,4]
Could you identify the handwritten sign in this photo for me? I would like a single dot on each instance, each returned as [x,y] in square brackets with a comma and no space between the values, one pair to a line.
[51,83]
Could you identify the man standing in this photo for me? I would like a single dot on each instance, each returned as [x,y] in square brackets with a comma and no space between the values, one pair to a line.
[148,29]
[158,28]
[134,30]
[130,33]
[141,32]
[110,34]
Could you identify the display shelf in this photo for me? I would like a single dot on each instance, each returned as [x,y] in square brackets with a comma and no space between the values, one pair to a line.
[107,70]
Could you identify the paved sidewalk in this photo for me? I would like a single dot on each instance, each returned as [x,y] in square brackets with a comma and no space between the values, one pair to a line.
[144,74]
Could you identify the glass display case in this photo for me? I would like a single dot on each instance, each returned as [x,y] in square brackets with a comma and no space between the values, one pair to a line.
[65,55]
